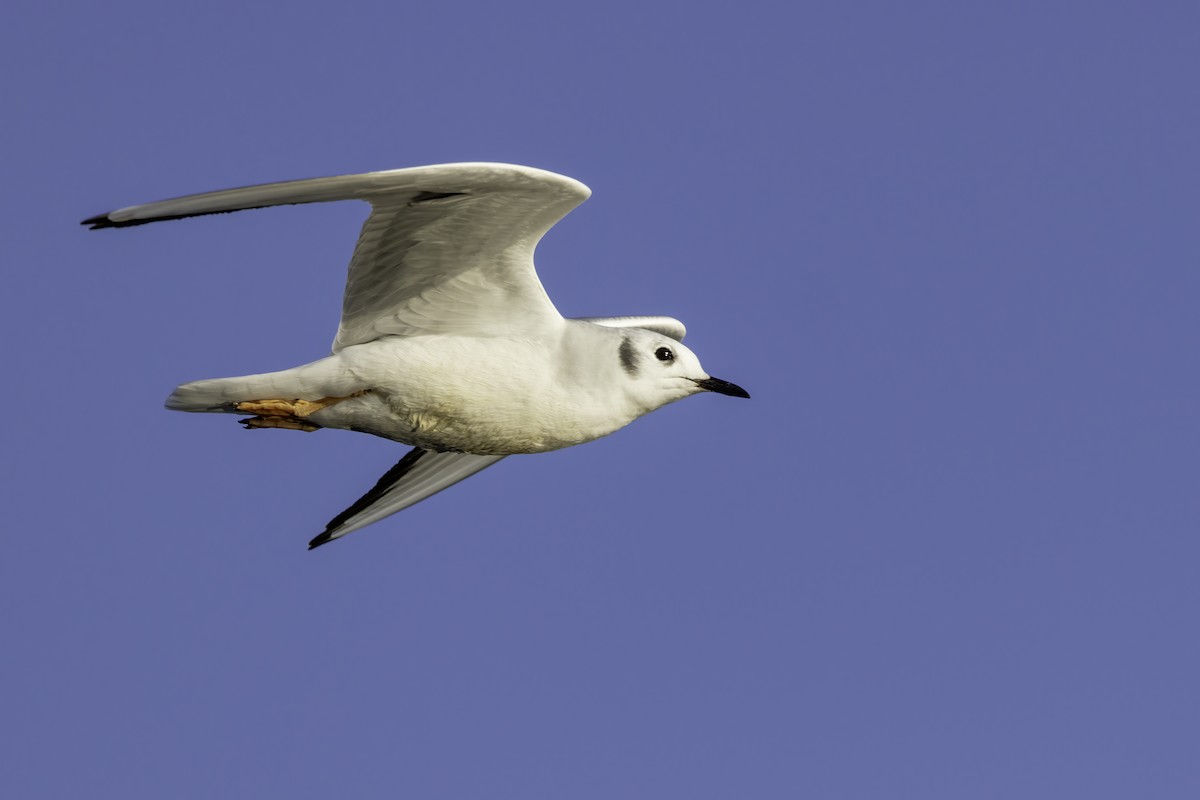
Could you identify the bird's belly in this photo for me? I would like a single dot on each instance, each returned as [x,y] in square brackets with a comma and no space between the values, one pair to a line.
[483,396]
[464,424]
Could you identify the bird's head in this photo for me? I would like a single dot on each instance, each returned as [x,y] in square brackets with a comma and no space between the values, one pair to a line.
[659,370]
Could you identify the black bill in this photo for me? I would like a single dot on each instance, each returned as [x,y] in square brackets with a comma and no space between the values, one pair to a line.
[722,387]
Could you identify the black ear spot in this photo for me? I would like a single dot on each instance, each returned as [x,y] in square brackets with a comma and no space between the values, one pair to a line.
[628,356]
[664,354]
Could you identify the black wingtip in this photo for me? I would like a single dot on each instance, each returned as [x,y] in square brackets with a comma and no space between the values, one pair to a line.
[99,221]
[323,538]
[378,490]
[103,221]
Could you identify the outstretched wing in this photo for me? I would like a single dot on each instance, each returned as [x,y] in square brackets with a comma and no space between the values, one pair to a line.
[418,475]
[446,248]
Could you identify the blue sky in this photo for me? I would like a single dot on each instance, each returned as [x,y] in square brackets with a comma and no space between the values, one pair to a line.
[948,550]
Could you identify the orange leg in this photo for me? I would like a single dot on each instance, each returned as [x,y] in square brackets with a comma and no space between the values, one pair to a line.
[286,414]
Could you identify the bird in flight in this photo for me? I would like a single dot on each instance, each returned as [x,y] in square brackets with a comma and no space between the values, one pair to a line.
[447,343]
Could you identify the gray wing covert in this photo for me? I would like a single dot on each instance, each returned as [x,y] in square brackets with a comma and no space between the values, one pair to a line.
[453,253]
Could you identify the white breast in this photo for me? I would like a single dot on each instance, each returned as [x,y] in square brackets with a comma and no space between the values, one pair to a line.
[490,396]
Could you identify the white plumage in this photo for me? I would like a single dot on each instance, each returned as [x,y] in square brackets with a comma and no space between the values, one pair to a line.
[447,340]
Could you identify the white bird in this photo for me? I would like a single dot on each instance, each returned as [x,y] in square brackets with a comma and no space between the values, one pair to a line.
[448,342]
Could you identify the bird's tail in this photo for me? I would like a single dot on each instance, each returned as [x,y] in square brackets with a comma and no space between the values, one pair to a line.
[324,378]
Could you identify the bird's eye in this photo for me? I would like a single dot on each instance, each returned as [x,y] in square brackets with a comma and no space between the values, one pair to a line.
[664,354]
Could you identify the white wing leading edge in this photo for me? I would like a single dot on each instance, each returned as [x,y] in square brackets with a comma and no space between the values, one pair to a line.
[667,326]
[446,249]
[418,475]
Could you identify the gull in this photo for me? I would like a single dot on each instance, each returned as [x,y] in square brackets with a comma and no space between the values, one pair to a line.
[447,342]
